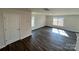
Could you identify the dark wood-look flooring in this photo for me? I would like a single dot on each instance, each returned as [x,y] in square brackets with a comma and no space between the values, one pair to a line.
[43,39]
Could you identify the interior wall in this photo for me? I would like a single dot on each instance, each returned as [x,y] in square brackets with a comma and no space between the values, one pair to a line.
[39,21]
[70,22]
[7,18]
[24,20]
[1,31]
[77,43]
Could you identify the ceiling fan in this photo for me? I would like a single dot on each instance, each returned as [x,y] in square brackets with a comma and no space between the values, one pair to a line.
[46,9]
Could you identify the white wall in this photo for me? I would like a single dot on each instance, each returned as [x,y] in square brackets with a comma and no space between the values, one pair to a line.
[1,31]
[24,20]
[9,20]
[39,21]
[70,22]
[77,43]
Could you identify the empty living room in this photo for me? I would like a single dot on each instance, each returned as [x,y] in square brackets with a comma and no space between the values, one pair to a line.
[39,29]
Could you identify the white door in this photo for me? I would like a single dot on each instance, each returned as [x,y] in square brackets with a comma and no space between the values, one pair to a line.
[1,31]
[11,27]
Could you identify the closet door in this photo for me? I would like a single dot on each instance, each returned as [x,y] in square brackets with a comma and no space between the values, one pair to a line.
[25,24]
[11,27]
[1,31]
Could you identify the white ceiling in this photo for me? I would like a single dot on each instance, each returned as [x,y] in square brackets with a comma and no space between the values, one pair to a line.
[56,11]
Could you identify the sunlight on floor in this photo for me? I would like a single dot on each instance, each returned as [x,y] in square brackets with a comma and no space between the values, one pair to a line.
[61,32]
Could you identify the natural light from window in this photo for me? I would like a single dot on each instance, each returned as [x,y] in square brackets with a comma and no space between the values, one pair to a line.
[58,21]
[61,32]
[33,21]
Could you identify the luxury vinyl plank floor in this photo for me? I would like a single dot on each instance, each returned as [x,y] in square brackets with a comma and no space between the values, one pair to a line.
[45,39]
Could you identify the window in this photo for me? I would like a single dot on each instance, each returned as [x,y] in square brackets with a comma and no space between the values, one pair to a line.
[58,21]
[33,21]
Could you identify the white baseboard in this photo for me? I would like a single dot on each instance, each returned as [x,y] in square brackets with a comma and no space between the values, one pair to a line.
[26,36]
[2,46]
